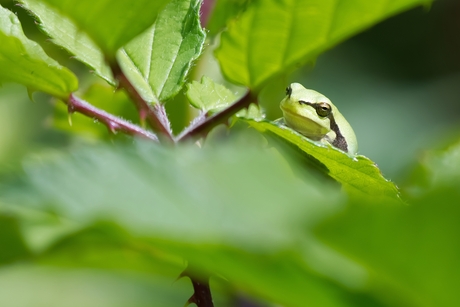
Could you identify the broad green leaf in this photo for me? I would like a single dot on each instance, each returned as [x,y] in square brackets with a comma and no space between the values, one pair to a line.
[158,61]
[24,61]
[359,176]
[291,279]
[111,24]
[412,252]
[27,285]
[109,247]
[65,33]
[273,36]
[209,96]
[166,192]
[103,97]
[257,212]
[222,12]
[39,230]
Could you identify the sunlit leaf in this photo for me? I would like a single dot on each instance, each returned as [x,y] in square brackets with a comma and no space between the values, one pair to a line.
[158,61]
[24,61]
[222,12]
[209,96]
[65,33]
[359,176]
[110,24]
[273,36]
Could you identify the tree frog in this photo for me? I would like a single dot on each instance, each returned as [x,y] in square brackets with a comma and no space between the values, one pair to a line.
[313,115]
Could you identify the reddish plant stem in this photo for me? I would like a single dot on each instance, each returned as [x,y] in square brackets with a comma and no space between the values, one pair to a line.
[201,128]
[201,292]
[205,12]
[112,122]
[154,115]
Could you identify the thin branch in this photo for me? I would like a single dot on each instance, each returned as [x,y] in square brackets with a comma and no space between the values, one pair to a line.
[201,128]
[112,122]
[154,115]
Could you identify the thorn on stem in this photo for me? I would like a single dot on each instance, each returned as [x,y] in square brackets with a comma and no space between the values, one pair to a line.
[113,127]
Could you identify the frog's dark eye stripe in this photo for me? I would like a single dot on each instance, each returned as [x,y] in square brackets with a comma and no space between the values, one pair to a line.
[305,102]
[323,109]
[340,141]
[288,91]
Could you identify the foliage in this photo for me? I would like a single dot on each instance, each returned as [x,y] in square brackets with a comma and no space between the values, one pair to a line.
[264,212]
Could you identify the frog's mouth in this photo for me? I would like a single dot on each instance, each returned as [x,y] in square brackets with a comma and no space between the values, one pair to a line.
[304,125]
[297,115]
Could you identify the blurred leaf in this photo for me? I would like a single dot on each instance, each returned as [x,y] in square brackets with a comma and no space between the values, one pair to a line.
[24,61]
[108,246]
[412,251]
[436,168]
[359,176]
[158,61]
[209,96]
[12,246]
[253,112]
[271,37]
[27,286]
[65,33]
[39,229]
[209,206]
[223,12]
[288,278]
[100,96]
[111,24]
[177,197]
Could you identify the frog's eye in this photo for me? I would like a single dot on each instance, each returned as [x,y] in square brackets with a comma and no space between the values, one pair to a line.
[323,109]
[288,91]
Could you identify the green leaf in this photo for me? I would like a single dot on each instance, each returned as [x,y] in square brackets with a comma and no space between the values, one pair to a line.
[253,112]
[209,96]
[359,176]
[272,37]
[12,245]
[65,33]
[412,252]
[436,168]
[28,285]
[224,11]
[111,24]
[152,173]
[259,212]
[107,246]
[24,61]
[158,61]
